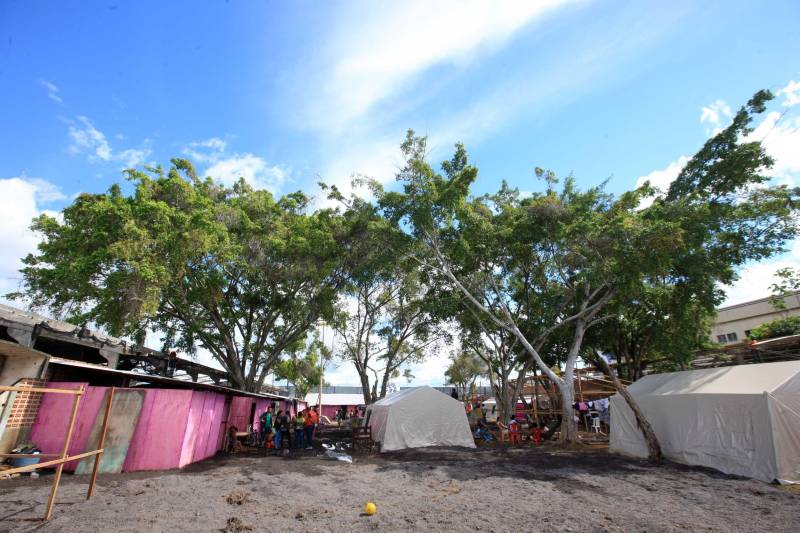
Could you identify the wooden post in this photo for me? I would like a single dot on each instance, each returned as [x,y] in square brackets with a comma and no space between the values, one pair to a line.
[101,444]
[64,453]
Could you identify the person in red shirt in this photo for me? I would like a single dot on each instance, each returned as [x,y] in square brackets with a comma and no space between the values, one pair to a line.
[312,418]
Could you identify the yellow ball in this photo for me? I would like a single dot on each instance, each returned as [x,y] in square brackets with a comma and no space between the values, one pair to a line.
[370,509]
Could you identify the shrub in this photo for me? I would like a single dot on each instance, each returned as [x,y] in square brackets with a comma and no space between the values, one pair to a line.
[777,328]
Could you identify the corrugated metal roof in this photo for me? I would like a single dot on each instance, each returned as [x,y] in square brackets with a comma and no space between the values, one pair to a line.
[312,398]
[147,378]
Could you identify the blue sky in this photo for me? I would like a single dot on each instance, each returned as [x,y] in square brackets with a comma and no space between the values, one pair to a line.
[286,94]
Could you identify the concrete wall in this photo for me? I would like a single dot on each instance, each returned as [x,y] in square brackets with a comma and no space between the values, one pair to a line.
[18,366]
[741,318]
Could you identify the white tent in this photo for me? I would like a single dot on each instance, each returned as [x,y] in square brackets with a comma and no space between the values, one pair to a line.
[742,420]
[419,417]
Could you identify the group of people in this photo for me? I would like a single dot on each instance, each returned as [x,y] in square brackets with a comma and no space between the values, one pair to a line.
[511,431]
[276,428]
[343,413]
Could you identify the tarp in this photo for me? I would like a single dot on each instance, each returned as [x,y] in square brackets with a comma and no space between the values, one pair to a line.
[742,420]
[415,418]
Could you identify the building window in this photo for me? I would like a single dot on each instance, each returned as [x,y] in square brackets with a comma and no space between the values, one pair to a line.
[732,337]
[722,339]
[747,332]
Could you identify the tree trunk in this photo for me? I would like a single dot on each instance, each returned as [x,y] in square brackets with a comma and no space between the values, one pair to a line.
[653,447]
[569,431]
[365,390]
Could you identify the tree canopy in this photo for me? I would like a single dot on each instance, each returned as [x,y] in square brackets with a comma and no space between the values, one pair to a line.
[530,280]
[231,269]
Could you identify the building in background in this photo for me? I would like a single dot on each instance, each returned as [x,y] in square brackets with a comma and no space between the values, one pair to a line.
[734,322]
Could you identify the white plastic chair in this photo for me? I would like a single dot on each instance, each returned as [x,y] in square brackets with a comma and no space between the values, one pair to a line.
[596,425]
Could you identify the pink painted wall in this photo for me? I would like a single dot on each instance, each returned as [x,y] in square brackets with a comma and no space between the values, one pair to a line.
[212,427]
[194,427]
[175,427]
[157,443]
[239,414]
[52,421]
[202,427]
[330,410]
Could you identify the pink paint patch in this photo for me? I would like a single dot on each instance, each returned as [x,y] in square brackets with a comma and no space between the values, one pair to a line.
[52,421]
[158,441]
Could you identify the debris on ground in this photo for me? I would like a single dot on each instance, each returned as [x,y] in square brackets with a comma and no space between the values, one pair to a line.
[339,456]
[234,525]
[238,497]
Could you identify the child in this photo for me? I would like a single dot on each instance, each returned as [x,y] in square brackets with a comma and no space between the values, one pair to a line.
[514,430]
[482,432]
[269,438]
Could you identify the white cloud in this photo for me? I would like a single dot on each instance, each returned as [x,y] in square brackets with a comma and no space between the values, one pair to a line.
[252,168]
[86,138]
[780,136]
[52,91]
[715,114]
[228,167]
[755,280]
[21,200]
[661,179]
[364,138]
[133,157]
[208,150]
[792,94]
[397,42]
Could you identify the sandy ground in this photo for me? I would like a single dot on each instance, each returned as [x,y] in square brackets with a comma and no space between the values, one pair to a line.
[508,489]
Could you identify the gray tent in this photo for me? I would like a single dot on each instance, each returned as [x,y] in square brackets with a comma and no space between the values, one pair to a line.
[419,417]
[742,420]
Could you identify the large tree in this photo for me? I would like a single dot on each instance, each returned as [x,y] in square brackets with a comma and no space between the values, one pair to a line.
[230,269]
[727,214]
[549,264]
[386,317]
[530,267]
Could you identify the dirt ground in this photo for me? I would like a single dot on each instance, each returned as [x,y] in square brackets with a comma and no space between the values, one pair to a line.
[506,489]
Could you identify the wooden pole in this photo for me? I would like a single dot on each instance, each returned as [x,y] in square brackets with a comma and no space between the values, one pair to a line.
[54,462]
[60,467]
[101,444]
[580,388]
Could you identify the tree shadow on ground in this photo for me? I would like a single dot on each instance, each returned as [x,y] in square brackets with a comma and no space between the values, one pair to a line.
[564,468]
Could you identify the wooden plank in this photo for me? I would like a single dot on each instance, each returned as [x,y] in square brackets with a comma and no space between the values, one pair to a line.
[60,468]
[6,388]
[29,455]
[54,462]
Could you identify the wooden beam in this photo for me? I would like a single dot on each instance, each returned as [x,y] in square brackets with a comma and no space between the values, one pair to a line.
[41,389]
[102,442]
[54,462]
[64,452]
[29,455]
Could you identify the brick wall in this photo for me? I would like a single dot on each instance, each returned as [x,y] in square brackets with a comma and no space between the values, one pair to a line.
[26,404]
